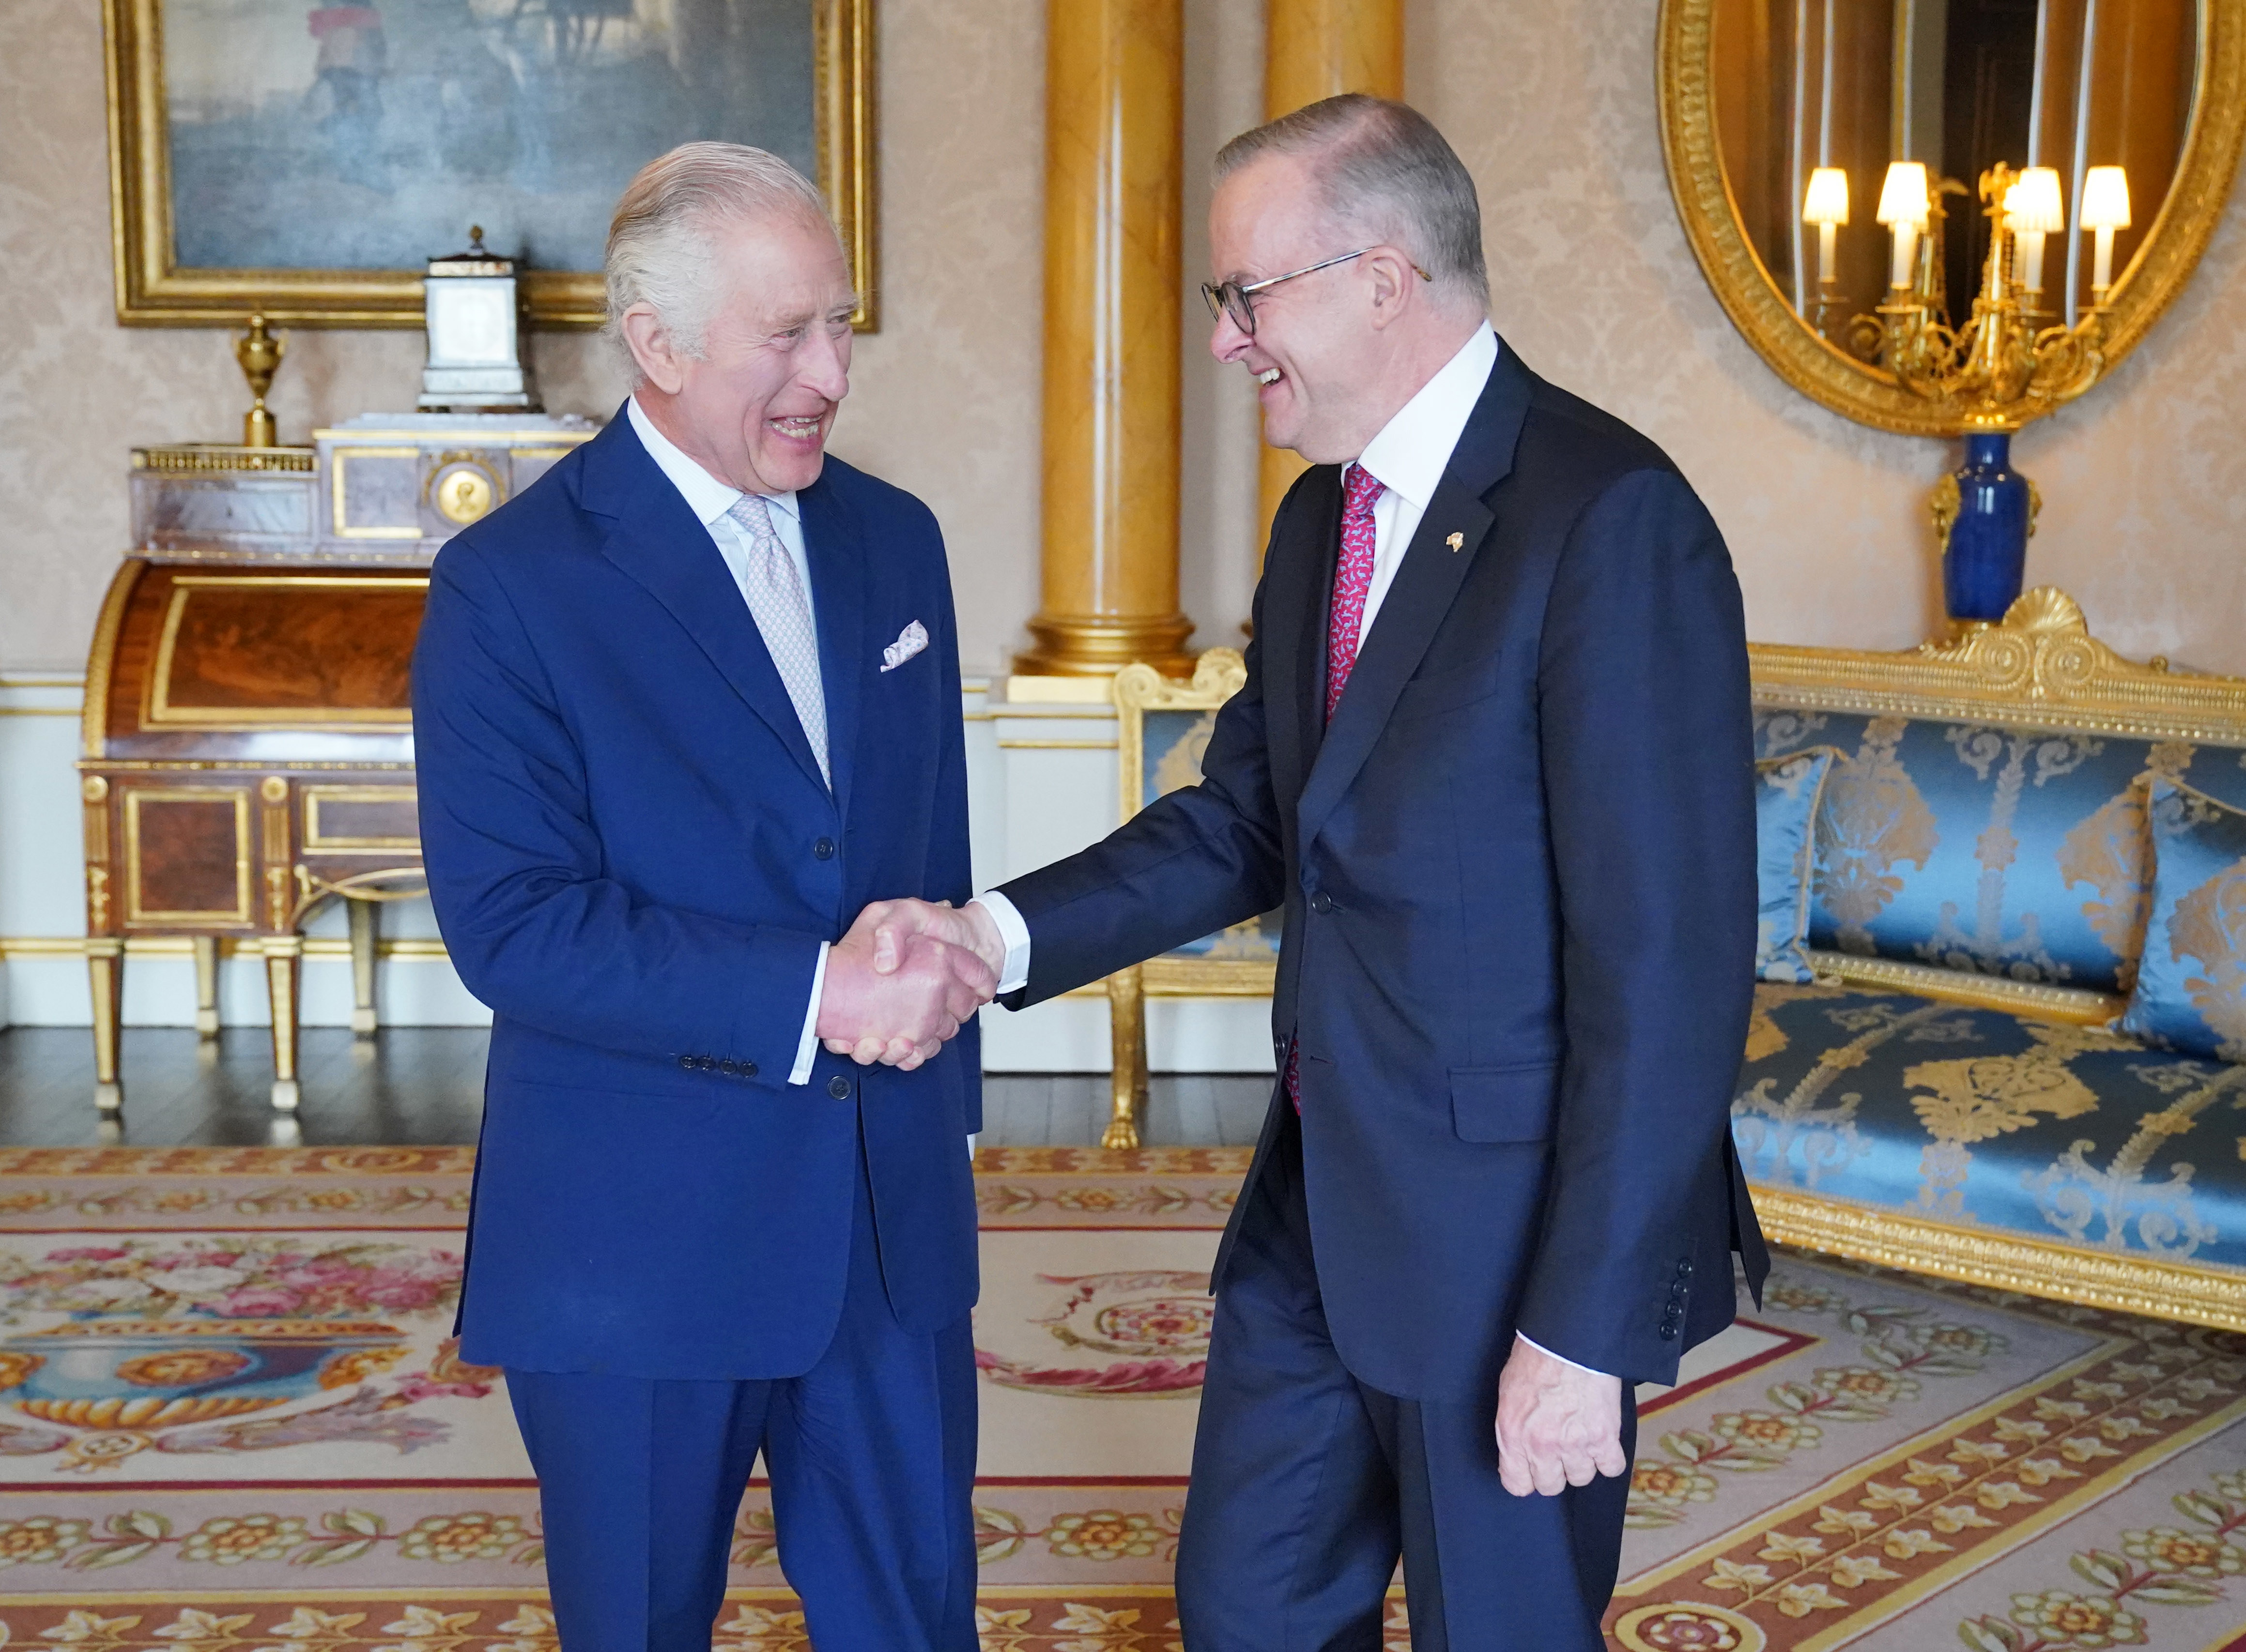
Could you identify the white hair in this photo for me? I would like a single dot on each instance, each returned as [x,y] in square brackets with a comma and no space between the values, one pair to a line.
[661,242]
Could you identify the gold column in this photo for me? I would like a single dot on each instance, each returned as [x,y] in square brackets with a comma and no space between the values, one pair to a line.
[1315,49]
[1114,95]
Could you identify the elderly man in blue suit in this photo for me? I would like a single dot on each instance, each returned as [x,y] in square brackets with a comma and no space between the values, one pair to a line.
[1493,759]
[680,711]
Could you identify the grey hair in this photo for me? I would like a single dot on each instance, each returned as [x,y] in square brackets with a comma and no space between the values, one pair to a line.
[1383,171]
[660,242]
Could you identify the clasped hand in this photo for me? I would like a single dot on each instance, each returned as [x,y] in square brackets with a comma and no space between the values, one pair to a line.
[905,979]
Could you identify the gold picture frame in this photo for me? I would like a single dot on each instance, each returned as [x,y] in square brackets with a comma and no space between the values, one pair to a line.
[152,289]
[1871,395]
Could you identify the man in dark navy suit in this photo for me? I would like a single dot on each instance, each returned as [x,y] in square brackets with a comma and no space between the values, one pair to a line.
[680,711]
[1493,759]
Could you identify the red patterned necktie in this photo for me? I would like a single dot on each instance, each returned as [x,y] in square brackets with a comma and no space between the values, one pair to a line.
[1360,492]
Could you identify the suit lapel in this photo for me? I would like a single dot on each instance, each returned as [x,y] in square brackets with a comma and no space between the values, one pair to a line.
[836,551]
[656,541]
[1300,570]
[1420,596]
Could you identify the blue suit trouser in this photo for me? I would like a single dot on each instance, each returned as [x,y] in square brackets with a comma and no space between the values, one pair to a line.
[1307,1486]
[871,1459]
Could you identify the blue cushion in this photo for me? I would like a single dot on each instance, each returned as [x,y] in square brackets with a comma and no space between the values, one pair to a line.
[2008,1124]
[1996,849]
[2190,994]
[1787,789]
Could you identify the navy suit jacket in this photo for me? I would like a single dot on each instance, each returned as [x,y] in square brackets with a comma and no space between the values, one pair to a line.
[1518,870]
[634,861]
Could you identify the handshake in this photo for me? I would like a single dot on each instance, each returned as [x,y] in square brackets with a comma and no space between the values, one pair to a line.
[905,978]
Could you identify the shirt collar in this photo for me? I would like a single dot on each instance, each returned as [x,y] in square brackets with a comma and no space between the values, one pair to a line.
[1413,449]
[707,497]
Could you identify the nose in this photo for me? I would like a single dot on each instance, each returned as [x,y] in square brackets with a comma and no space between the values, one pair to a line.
[1226,341]
[826,367]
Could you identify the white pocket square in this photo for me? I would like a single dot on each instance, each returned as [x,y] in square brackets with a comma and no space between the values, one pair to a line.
[911,640]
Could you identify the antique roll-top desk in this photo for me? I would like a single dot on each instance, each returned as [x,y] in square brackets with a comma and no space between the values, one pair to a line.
[247,748]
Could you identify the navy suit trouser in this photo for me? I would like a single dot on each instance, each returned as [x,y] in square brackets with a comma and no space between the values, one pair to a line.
[871,1459]
[1307,1485]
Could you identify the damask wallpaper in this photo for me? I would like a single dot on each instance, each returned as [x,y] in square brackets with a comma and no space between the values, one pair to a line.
[1553,108]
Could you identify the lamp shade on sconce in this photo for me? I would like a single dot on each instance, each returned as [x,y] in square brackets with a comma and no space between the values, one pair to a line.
[1904,208]
[1903,197]
[2033,210]
[1827,201]
[2106,198]
[2032,205]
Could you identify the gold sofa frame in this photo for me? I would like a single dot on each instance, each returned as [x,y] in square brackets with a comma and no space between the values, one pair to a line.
[1137,690]
[2037,668]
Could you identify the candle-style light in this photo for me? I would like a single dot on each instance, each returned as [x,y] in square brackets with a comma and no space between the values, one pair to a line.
[2105,209]
[1826,205]
[1904,208]
[2033,210]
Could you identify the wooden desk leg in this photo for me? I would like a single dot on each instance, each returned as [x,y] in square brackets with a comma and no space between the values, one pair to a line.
[1126,1023]
[365,930]
[283,960]
[207,986]
[104,963]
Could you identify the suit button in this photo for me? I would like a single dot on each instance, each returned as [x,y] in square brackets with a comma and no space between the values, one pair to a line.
[748,1070]
[1321,902]
[1669,1333]
[687,1062]
[1685,1268]
[839,1087]
[824,848]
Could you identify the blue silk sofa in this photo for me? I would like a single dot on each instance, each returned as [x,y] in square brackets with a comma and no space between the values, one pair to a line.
[1944,1096]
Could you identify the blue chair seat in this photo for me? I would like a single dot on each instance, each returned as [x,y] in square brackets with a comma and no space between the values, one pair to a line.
[2005,1124]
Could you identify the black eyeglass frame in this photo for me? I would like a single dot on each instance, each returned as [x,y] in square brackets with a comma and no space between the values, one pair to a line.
[1230,297]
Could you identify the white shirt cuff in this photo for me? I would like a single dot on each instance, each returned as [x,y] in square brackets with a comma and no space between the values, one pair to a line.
[1014,933]
[1562,1358]
[806,1049]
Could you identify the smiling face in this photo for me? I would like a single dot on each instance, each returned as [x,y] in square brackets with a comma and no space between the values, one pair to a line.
[1335,354]
[754,408]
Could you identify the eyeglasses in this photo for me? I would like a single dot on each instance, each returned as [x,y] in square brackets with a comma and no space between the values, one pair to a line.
[1230,297]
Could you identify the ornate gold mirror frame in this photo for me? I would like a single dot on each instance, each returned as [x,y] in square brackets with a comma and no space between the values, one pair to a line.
[152,290]
[1871,395]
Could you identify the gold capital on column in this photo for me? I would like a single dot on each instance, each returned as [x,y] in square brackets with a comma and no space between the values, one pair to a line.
[1315,49]
[1115,97]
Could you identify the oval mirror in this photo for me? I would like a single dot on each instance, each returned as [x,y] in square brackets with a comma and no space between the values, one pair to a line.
[1841,166]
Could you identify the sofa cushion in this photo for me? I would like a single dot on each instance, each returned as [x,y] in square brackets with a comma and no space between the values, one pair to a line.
[2190,994]
[2041,1129]
[1787,791]
[1996,850]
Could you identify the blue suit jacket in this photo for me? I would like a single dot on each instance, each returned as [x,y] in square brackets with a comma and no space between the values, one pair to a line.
[1518,870]
[634,861]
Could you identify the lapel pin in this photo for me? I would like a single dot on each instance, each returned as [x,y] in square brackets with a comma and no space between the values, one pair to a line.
[1456,542]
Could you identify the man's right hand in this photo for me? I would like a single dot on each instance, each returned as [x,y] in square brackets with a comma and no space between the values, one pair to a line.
[892,926]
[900,1010]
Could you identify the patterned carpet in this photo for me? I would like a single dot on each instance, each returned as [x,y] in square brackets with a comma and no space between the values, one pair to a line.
[232,1423]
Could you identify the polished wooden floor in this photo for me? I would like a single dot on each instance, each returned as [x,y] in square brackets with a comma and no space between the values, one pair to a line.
[417,1086]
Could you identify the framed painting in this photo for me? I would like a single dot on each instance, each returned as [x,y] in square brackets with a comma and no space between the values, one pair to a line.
[303,159]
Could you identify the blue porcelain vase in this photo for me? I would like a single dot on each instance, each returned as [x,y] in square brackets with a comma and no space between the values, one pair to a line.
[1987,559]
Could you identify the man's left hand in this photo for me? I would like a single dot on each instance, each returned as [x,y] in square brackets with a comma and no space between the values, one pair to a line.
[1557,1425]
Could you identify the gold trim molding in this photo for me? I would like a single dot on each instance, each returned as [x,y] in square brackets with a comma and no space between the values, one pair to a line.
[2038,667]
[154,290]
[2123,1281]
[1871,395]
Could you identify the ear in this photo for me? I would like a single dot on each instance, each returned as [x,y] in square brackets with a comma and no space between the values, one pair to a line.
[1394,284]
[651,343]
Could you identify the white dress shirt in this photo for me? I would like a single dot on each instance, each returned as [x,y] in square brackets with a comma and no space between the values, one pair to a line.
[710,500]
[1408,458]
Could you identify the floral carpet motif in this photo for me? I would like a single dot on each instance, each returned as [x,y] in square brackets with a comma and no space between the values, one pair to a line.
[233,1419]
